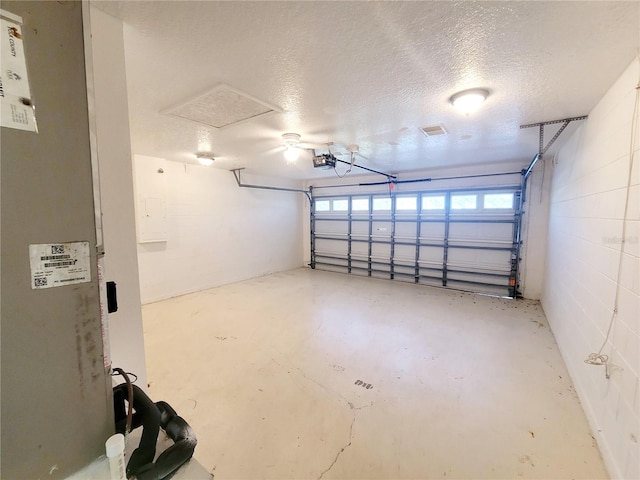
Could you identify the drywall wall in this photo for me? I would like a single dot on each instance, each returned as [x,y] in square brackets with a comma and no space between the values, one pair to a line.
[534,225]
[216,232]
[534,219]
[116,189]
[591,263]
[57,407]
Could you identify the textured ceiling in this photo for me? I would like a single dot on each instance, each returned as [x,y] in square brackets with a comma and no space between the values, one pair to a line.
[371,74]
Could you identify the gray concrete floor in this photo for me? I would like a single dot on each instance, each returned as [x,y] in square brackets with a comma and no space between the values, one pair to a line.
[314,375]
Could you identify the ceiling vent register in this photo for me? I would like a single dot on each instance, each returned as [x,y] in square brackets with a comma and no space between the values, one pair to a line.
[434,130]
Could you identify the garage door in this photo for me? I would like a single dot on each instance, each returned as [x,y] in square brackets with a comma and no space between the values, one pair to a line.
[465,239]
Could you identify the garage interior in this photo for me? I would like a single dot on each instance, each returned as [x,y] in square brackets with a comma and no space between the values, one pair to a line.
[332,271]
[376,380]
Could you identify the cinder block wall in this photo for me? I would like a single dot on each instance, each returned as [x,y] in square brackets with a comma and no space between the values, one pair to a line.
[588,196]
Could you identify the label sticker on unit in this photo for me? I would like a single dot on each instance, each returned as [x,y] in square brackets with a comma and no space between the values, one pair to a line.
[16,106]
[58,264]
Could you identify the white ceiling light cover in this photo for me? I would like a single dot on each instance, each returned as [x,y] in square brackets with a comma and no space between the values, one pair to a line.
[221,106]
[205,159]
[469,101]
[291,141]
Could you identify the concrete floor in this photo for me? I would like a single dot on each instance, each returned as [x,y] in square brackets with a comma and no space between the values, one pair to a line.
[314,375]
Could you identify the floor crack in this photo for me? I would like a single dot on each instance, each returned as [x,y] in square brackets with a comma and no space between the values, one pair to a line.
[353,407]
[335,460]
[304,375]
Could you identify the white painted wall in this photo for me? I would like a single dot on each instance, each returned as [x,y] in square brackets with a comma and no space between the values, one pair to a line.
[534,220]
[535,223]
[116,187]
[217,232]
[588,195]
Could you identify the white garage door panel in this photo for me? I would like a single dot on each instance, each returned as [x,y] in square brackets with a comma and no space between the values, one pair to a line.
[360,250]
[431,230]
[380,252]
[381,228]
[334,227]
[404,254]
[431,256]
[360,229]
[331,247]
[406,229]
[482,231]
[460,239]
[478,259]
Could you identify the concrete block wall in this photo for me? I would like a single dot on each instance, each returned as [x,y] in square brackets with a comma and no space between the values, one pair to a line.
[219,233]
[584,254]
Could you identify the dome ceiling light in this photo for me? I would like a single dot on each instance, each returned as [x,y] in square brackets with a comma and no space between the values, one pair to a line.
[291,141]
[468,101]
[205,159]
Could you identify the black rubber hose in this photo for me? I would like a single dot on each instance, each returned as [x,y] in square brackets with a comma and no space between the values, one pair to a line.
[130,398]
[147,415]
[176,455]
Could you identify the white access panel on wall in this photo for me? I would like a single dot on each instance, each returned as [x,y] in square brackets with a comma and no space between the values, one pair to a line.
[150,191]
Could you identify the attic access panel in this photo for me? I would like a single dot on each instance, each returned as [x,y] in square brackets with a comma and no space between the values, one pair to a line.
[221,106]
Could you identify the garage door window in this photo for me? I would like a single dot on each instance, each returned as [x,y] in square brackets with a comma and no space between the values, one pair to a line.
[341,205]
[498,201]
[360,204]
[463,202]
[322,205]
[383,203]
[433,202]
[406,203]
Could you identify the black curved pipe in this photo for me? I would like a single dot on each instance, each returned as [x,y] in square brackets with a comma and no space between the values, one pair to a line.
[153,416]
[147,415]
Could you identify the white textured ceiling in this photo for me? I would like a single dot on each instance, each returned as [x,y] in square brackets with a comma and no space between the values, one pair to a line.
[370,73]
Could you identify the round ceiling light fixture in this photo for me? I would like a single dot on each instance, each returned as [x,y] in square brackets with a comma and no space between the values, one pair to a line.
[468,101]
[205,159]
[291,141]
